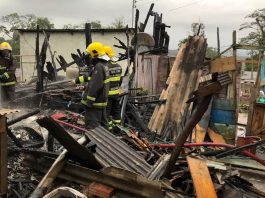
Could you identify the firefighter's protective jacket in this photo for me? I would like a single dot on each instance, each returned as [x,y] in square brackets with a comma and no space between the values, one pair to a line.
[115,79]
[96,92]
[7,71]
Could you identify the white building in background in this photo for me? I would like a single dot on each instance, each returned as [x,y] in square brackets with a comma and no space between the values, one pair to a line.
[63,42]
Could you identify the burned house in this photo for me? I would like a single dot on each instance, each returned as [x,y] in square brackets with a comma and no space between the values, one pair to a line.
[177,139]
[63,42]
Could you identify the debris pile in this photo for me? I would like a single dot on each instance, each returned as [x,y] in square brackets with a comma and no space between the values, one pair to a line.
[179,143]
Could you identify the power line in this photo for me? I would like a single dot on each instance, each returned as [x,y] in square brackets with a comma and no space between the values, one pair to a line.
[148,2]
[187,5]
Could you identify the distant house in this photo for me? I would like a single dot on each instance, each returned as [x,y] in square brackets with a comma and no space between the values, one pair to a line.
[63,42]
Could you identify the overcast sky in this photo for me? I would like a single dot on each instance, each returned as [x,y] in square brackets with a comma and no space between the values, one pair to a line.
[179,14]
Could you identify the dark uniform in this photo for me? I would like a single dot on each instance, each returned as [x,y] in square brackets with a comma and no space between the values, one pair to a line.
[114,108]
[95,96]
[7,78]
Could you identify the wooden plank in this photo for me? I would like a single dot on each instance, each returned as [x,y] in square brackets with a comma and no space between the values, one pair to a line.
[223,64]
[199,134]
[3,156]
[201,127]
[215,137]
[257,120]
[182,81]
[201,178]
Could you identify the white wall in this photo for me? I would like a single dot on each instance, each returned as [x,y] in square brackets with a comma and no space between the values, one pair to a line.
[64,43]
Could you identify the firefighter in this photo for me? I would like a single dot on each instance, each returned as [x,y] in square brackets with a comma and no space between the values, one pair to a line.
[95,95]
[115,71]
[7,72]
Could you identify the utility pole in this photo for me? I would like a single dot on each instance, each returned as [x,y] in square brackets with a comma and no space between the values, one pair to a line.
[133,6]
[218,41]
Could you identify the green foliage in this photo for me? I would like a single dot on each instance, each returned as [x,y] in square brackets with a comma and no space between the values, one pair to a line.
[182,41]
[96,24]
[29,21]
[248,67]
[198,29]
[118,23]
[14,21]
[211,52]
[71,26]
[195,28]
[257,36]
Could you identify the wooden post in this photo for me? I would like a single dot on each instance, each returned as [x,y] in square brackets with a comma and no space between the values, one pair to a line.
[235,77]
[52,54]
[3,157]
[37,54]
[218,42]
[196,116]
[253,92]
[88,34]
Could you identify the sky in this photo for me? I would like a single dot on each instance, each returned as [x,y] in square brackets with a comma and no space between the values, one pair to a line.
[179,14]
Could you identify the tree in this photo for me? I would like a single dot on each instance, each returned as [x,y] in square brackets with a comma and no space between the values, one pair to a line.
[118,23]
[211,52]
[29,21]
[257,36]
[71,26]
[198,29]
[96,24]
[182,41]
[14,21]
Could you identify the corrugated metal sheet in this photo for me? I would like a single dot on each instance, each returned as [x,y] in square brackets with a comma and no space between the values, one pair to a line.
[111,151]
[8,111]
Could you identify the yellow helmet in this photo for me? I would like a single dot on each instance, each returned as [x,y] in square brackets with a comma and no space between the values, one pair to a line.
[5,46]
[109,51]
[95,49]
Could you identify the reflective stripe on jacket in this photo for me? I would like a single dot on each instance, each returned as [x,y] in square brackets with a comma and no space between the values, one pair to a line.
[7,71]
[115,72]
[96,92]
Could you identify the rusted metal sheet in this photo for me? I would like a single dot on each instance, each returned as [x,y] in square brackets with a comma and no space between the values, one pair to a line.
[111,151]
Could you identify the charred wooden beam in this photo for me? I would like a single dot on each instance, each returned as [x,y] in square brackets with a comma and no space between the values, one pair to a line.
[196,116]
[238,149]
[137,118]
[117,178]
[64,64]
[11,122]
[88,33]
[76,151]
[52,173]
[143,25]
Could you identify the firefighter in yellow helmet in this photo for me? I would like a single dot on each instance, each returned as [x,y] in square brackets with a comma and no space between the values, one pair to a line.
[115,79]
[95,96]
[7,72]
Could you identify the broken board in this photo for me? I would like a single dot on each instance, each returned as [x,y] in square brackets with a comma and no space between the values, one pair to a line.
[223,64]
[201,178]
